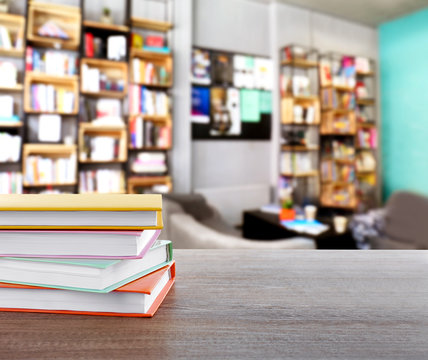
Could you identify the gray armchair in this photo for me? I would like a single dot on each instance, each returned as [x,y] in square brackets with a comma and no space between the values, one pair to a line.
[405,223]
[193,224]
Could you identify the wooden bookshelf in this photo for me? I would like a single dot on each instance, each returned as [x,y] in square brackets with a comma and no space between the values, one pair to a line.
[150,55]
[5,124]
[314,173]
[149,24]
[366,102]
[136,182]
[299,148]
[93,130]
[68,18]
[68,83]
[103,26]
[48,151]
[300,63]
[114,70]
[15,25]
[287,109]
[15,88]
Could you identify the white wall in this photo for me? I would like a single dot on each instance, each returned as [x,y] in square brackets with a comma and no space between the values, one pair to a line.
[234,170]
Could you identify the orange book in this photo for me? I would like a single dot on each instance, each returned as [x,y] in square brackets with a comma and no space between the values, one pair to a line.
[139,298]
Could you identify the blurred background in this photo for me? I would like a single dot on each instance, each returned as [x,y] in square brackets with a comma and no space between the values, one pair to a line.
[288,123]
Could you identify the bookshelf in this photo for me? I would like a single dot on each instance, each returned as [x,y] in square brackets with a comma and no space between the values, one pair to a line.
[11,88]
[149,125]
[49,165]
[68,18]
[348,132]
[88,133]
[60,86]
[300,114]
[115,72]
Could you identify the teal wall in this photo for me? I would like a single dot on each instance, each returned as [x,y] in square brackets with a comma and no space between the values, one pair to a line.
[404,103]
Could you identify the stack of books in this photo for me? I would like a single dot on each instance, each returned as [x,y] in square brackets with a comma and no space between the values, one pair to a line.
[83,254]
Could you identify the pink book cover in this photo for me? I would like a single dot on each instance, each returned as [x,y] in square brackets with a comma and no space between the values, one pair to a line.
[136,233]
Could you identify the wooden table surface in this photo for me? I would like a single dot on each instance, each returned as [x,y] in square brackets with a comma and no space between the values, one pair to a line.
[253,305]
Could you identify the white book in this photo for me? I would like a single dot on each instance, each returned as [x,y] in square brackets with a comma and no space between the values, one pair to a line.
[116,302]
[50,98]
[139,129]
[49,128]
[83,243]
[91,275]
[136,69]
[6,106]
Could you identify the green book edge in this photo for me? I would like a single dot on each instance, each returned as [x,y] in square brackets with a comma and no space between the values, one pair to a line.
[111,287]
[94,263]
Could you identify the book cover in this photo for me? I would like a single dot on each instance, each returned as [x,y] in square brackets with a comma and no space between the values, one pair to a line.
[143,285]
[222,68]
[200,105]
[201,67]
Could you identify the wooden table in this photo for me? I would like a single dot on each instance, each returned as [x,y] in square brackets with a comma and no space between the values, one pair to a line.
[254,305]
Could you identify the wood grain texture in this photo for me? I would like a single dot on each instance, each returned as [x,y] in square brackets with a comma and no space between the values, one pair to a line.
[254,305]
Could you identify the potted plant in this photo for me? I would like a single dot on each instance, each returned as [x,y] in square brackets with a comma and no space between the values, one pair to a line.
[106,17]
[287,211]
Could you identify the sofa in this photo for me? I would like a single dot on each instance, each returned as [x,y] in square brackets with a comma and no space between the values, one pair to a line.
[191,223]
[405,223]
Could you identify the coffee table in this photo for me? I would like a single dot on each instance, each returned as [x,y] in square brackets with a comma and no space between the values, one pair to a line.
[260,225]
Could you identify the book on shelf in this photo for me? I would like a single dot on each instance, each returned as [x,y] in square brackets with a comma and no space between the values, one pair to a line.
[339,149]
[303,114]
[337,172]
[8,74]
[11,40]
[149,134]
[150,73]
[51,62]
[362,65]
[153,189]
[10,182]
[157,135]
[49,129]
[103,181]
[151,163]
[10,147]
[51,99]
[337,100]
[81,211]
[6,107]
[52,29]
[100,148]
[148,102]
[150,43]
[116,48]
[293,52]
[91,275]
[82,244]
[46,170]
[95,80]
[367,138]
[325,73]
[297,163]
[365,161]
[112,47]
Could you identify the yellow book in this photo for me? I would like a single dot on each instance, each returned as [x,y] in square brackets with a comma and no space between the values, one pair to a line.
[81,211]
